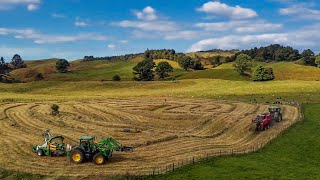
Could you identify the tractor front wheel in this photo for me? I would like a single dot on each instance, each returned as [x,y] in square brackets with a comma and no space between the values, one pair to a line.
[99,159]
[77,156]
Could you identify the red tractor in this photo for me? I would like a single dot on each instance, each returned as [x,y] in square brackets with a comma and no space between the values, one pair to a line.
[262,122]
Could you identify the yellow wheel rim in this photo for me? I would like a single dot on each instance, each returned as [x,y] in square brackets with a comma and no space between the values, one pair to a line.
[99,160]
[76,157]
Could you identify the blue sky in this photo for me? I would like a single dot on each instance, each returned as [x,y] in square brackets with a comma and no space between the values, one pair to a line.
[71,29]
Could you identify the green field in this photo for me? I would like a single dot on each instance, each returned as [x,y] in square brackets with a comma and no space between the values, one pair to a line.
[289,90]
[295,155]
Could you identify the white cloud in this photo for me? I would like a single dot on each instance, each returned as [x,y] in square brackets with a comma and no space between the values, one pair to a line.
[81,23]
[301,12]
[220,9]
[148,14]
[181,35]
[306,37]
[240,26]
[238,41]
[32,7]
[57,16]
[39,38]
[149,25]
[30,4]
[124,41]
[111,46]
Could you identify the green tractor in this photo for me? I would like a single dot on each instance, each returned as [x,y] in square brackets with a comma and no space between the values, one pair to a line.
[276,113]
[99,152]
[53,146]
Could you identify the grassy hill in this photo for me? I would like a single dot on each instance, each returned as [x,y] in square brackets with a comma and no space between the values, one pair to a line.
[102,70]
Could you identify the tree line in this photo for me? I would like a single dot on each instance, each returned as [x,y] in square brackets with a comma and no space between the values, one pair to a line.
[276,52]
[125,57]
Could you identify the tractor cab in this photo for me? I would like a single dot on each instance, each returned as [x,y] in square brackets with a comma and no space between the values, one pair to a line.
[274,109]
[87,142]
[276,113]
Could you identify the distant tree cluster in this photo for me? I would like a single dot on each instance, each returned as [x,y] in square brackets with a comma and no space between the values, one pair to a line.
[113,58]
[232,51]
[144,70]
[160,54]
[262,73]
[186,62]
[274,52]
[5,68]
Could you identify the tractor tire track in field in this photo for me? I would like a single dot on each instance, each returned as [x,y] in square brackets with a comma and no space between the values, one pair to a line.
[162,131]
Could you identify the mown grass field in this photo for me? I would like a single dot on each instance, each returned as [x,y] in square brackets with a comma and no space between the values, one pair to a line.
[295,155]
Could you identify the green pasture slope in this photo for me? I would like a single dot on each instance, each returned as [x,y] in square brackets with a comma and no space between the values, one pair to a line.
[294,155]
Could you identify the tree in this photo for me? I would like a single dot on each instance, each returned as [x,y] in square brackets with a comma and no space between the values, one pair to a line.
[116,78]
[308,57]
[185,62]
[143,71]
[197,65]
[4,70]
[17,62]
[262,73]
[163,69]
[62,65]
[243,64]
[317,61]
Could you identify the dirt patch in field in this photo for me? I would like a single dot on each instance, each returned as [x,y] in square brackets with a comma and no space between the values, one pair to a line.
[162,132]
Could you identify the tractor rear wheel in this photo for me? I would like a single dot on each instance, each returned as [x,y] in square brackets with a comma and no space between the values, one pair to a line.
[77,156]
[99,159]
[40,152]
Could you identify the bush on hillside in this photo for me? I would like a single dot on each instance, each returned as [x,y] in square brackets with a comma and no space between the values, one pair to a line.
[116,78]
[262,73]
[54,109]
[39,77]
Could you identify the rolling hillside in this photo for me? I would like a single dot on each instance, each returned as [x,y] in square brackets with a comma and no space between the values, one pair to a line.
[105,70]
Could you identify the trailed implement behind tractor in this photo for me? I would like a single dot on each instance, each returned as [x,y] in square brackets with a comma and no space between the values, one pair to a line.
[53,145]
